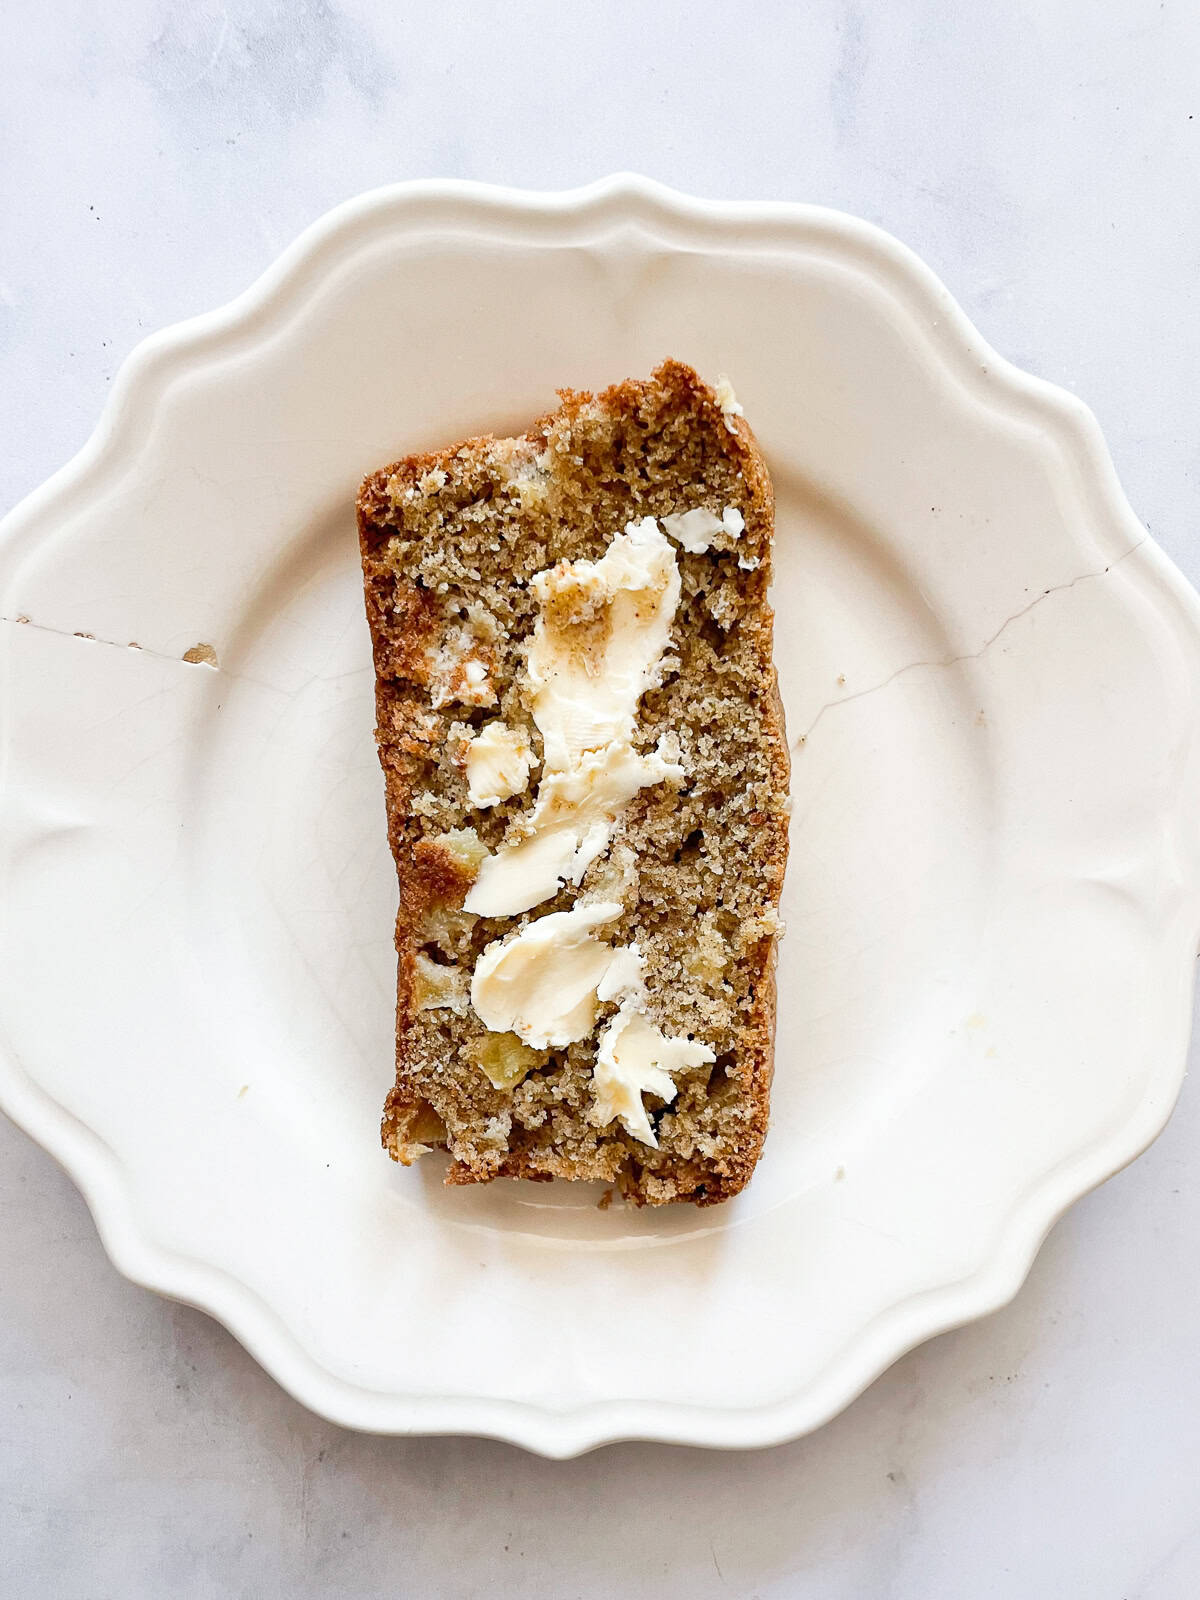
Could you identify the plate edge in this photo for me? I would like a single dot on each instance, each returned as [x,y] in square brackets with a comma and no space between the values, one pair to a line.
[559,1434]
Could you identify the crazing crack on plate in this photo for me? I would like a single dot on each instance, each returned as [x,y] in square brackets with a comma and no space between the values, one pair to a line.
[973,655]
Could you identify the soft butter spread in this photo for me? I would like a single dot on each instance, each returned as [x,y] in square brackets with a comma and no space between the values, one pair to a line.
[634,1058]
[729,403]
[498,761]
[696,529]
[596,647]
[544,985]
[541,983]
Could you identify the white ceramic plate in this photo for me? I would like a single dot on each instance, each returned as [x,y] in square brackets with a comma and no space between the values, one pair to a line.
[991,679]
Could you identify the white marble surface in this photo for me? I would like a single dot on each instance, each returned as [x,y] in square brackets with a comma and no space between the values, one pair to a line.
[1044,159]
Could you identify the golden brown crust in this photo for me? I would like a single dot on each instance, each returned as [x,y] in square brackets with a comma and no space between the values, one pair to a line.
[421,520]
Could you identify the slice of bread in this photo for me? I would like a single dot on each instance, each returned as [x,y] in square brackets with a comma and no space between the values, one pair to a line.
[631,1040]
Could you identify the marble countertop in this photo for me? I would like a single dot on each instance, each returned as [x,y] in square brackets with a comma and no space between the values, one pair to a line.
[1046,161]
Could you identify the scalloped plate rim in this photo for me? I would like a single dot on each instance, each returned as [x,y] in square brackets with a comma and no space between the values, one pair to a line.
[900,1326]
